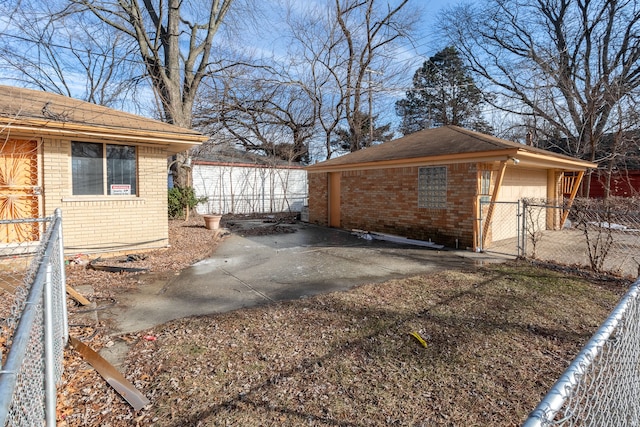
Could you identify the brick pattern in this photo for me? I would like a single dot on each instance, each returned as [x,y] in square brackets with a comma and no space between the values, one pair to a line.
[318,198]
[110,224]
[386,200]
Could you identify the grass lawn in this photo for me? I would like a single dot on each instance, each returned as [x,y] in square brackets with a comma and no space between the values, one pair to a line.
[497,338]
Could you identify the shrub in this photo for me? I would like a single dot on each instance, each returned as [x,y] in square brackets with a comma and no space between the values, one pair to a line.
[182,199]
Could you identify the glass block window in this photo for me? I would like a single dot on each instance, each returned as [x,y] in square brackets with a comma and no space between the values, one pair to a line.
[432,187]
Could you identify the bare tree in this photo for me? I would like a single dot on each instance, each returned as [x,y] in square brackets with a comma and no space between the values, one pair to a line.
[367,29]
[72,55]
[174,40]
[316,42]
[564,63]
[266,112]
[342,45]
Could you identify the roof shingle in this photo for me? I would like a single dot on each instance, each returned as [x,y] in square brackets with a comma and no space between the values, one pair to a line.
[436,142]
[37,109]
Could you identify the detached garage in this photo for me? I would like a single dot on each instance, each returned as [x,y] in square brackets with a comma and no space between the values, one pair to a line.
[429,185]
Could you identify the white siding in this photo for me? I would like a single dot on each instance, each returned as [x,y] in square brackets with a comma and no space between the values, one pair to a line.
[246,189]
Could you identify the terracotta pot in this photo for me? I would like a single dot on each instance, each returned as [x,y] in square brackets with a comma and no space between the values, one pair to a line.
[212,222]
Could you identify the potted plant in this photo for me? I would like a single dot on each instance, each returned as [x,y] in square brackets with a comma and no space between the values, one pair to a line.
[212,221]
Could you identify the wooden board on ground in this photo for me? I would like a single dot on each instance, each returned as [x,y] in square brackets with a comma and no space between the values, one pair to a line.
[115,379]
[77,296]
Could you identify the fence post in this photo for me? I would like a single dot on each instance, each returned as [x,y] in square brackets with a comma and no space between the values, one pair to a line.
[63,278]
[524,228]
[518,230]
[480,228]
[49,362]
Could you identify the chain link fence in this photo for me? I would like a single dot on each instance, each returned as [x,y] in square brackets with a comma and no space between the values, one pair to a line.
[601,387]
[253,203]
[33,320]
[602,235]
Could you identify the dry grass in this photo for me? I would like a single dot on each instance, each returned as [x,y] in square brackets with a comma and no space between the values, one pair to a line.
[498,338]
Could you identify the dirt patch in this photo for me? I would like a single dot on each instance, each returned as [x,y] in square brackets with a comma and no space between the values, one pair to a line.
[497,338]
[245,225]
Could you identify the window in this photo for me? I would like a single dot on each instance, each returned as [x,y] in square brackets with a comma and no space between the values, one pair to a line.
[432,187]
[485,185]
[89,162]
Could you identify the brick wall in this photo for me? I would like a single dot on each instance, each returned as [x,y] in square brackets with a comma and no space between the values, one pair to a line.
[113,224]
[386,200]
[318,198]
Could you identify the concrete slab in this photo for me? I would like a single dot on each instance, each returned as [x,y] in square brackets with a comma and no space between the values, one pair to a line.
[253,270]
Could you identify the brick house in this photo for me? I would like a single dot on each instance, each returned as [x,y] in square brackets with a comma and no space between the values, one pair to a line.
[428,185]
[105,169]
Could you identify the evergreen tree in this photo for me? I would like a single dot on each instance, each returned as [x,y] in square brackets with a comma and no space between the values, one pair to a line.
[443,93]
[379,133]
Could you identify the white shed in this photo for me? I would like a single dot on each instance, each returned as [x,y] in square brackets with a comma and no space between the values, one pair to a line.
[238,182]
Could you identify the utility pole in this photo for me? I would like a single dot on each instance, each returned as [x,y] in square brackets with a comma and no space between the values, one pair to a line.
[370,110]
[370,84]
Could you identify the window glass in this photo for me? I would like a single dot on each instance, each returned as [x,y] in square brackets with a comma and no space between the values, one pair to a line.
[87,168]
[89,162]
[121,169]
[485,186]
[432,187]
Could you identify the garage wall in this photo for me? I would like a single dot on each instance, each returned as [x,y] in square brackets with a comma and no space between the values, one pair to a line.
[518,183]
[386,200]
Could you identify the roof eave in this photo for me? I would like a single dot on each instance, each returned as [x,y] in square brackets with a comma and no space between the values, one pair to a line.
[538,160]
[485,156]
[174,142]
[527,158]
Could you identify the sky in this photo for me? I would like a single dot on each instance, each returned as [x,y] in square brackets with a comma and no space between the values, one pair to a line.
[410,56]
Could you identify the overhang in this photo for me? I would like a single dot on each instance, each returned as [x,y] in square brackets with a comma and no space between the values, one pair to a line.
[30,113]
[448,145]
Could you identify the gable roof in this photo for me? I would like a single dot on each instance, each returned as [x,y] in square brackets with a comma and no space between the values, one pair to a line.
[31,111]
[448,144]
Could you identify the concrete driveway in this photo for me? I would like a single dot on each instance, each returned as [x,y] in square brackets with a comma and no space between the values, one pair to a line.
[248,271]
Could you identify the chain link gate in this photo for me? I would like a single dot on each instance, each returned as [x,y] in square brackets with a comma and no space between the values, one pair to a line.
[500,228]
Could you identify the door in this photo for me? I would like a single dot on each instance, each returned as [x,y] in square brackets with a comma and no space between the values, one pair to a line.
[334,199]
[19,190]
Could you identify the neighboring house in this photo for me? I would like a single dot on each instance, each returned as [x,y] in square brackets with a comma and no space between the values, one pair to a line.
[618,158]
[429,185]
[235,181]
[622,182]
[105,169]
